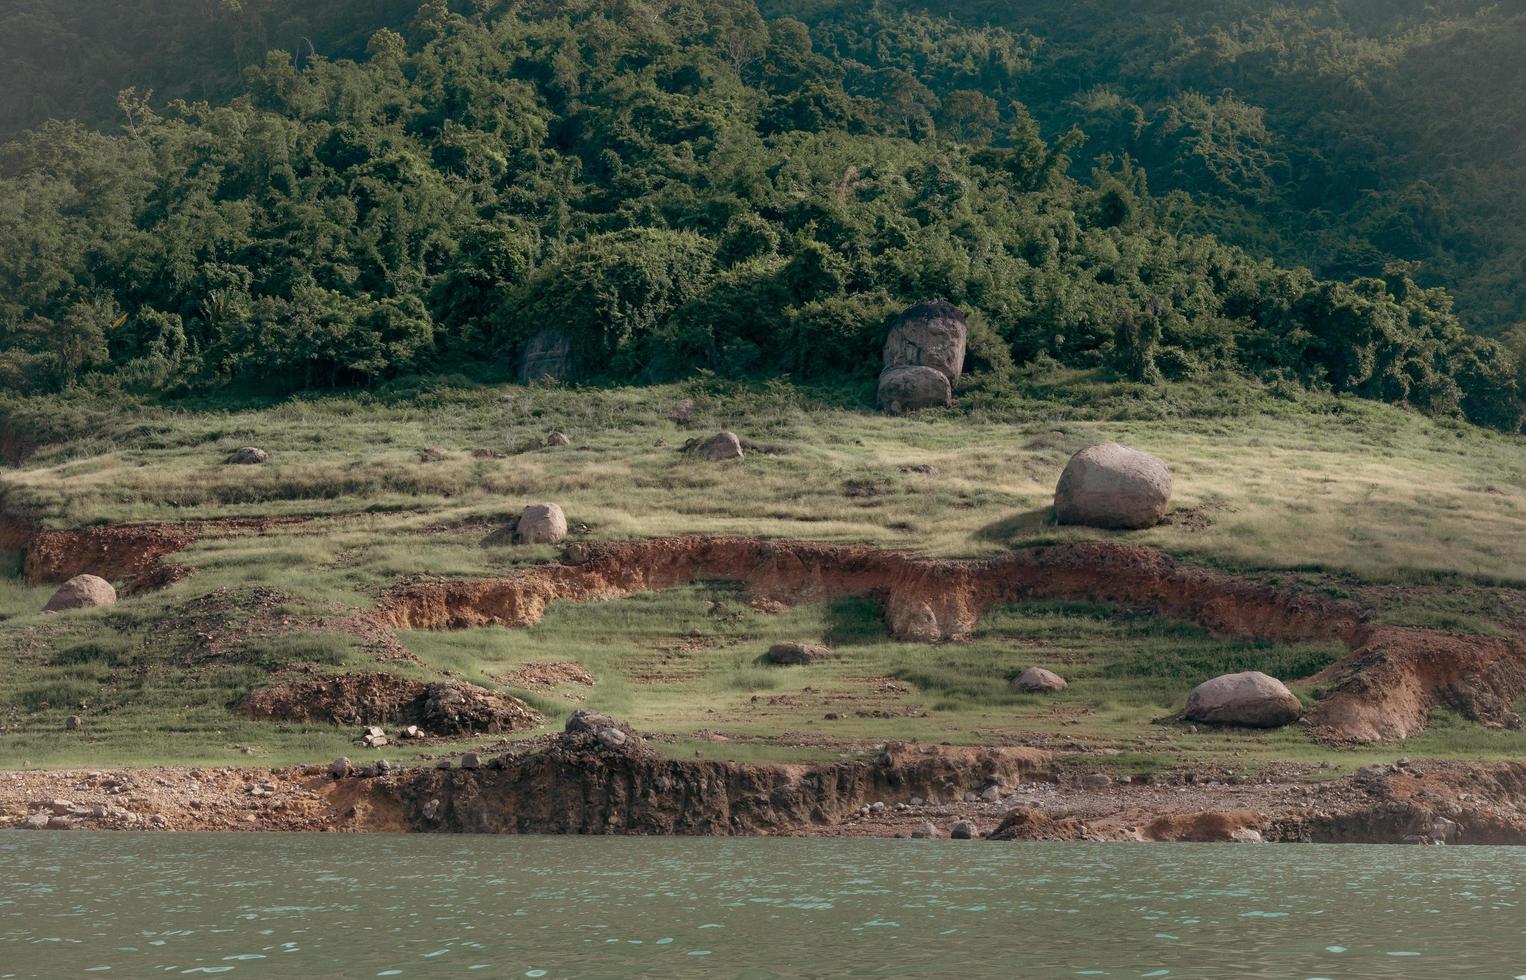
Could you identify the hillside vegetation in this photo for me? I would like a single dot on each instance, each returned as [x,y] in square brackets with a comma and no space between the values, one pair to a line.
[681,187]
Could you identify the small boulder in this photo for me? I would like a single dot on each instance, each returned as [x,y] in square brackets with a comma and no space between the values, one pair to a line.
[558,439]
[541,524]
[795,654]
[82,592]
[248,456]
[471,760]
[340,767]
[612,738]
[1037,680]
[721,446]
[1251,699]
[930,334]
[927,831]
[964,830]
[1113,486]
[73,722]
[444,763]
[909,389]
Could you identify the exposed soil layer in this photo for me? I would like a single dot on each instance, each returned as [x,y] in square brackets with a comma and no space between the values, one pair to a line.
[1383,690]
[448,708]
[579,783]
[133,554]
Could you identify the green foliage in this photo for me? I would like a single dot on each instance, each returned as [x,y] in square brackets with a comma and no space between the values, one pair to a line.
[710,189]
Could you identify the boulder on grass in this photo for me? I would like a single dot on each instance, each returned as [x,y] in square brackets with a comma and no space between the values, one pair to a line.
[558,439]
[795,654]
[249,456]
[1037,680]
[722,445]
[542,524]
[82,592]
[1251,699]
[1113,486]
[910,389]
[930,334]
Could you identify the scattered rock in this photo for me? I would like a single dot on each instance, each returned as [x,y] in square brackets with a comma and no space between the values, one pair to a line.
[1037,680]
[558,439]
[340,767]
[925,832]
[82,592]
[721,446]
[248,456]
[1096,780]
[991,793]
[547,355]
[1112,486]
[73,722]
[471,760]
[541,524]
[1251,699]
[1246,835]
[910,389]
[964,830]
[931,335]
[444,763]
[37,821]
[795,654]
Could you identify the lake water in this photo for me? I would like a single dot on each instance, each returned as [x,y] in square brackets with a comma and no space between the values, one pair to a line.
[288,905]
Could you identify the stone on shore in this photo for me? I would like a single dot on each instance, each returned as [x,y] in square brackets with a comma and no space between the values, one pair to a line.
[1113,486]
[964,830]
[1250,699]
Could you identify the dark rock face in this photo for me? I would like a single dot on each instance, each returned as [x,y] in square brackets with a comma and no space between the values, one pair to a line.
[930,334]
[908,389]
[546,356]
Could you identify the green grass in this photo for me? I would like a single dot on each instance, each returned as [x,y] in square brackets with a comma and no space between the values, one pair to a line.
[1419,518]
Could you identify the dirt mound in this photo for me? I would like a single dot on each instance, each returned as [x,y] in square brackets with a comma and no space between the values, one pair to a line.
[447,708]
[1394,677]
[1212,826]
[537,676]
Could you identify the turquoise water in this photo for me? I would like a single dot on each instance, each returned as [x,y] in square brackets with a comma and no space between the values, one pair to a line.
[287,905]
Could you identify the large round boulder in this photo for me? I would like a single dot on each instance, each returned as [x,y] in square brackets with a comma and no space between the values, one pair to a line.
[542,524]
[722,445]
[1113,486]
[930,334]
[1037,680]
[1251,699]
[82,592]
[909,389]
[546,355]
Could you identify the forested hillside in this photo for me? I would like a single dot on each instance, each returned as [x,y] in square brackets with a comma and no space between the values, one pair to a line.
[690,185]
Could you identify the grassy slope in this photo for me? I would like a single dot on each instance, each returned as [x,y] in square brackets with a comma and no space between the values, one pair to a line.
[1339,492]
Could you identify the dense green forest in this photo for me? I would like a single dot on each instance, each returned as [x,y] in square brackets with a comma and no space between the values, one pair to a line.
[695,184]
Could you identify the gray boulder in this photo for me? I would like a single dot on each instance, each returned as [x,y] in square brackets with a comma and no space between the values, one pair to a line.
[1251,699]
[82,592]
[722,445]
[249,456]
[1037,680]
[930,334]
[795,654]
[964,830]
[909,389]
[546,356]
[1112,486]
[541,524]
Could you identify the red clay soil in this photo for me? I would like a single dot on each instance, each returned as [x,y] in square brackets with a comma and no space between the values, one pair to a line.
[129,553]
[1383,690]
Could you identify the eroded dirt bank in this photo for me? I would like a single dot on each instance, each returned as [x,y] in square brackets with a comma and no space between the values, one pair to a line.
[582,783]
[1384,690]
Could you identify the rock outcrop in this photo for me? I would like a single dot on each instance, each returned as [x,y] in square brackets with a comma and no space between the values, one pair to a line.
[1113,486]
[1251,699]
[1037,680]
[82,592]
[541,524]
[910,389]
[546,356]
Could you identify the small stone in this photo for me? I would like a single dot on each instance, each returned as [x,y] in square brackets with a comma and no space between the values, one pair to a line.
[73,722]
[964,830]
[340,767]
[60,806]
[918,801]
[991,793]
[443,764]
[612,737]
[877,807]
[471,760]
[971,796]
